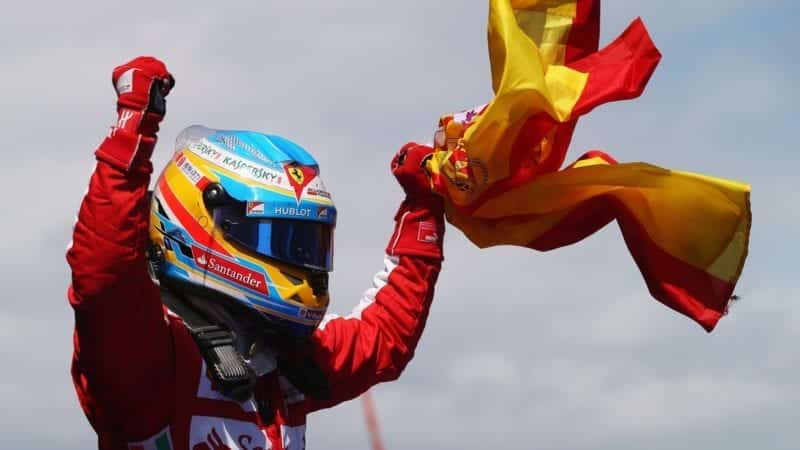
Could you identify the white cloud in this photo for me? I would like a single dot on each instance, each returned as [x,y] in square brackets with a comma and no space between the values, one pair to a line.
[664,407]
[44,206]
[679,15]
[487,371]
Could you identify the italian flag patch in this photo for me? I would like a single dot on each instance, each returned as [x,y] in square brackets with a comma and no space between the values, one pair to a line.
[160,441]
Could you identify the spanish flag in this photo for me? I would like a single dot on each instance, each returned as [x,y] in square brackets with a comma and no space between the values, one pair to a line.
[499,166]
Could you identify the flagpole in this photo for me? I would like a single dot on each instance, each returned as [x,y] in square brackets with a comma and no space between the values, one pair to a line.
[371,419]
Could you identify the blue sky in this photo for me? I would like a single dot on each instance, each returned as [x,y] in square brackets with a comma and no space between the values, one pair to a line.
[523,350]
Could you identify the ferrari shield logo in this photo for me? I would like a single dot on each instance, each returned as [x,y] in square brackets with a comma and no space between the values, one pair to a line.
[299,177]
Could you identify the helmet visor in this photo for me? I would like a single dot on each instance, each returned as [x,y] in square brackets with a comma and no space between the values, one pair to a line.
[298,242]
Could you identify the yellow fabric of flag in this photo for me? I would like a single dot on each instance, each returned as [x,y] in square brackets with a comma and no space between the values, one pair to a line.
[498,166]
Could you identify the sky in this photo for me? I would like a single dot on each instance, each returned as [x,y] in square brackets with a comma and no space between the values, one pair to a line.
[523,350]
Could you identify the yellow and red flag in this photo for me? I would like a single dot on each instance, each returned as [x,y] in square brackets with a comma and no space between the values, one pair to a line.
[498,165]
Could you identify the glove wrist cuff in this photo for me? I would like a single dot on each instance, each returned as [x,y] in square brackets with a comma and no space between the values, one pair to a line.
[433,203]
[138,121]
[419,230]
[127,150]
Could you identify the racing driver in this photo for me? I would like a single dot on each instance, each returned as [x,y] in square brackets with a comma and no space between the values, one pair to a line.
[200,307]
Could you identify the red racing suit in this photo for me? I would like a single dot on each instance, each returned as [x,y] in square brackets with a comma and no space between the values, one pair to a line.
[138,373]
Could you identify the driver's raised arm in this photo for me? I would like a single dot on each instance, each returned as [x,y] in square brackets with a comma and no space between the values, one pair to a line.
[377,340]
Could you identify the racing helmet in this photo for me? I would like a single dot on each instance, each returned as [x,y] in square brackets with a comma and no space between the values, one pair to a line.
[244,217]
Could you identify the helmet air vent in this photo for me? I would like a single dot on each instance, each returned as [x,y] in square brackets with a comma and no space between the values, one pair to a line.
[294,280]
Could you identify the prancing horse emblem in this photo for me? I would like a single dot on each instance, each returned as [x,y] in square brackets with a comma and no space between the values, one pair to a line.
[297,175]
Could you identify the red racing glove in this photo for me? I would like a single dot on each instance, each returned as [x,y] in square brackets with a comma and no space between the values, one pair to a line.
[420,219]
[142,85]
[408,166]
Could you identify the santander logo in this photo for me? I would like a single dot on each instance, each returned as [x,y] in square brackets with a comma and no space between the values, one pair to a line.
[231,271]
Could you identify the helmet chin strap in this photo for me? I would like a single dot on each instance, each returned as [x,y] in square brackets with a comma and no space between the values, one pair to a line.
[250,339]
[215,312]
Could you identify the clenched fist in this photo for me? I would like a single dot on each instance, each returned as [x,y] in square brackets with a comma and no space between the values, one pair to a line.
[142,85]
[408,166]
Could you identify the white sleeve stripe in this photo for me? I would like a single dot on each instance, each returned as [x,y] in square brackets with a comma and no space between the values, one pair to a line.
[85,193]
[379,281]
[399,230]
